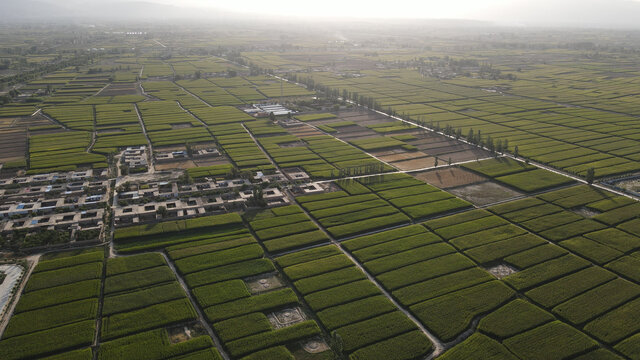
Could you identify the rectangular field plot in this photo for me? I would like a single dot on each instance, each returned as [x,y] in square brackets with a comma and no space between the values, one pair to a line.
[365,212]
[347,303]
[59,308]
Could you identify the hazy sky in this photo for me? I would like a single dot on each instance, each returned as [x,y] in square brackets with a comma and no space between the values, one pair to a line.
[623,14]
[495,10]
[355,8]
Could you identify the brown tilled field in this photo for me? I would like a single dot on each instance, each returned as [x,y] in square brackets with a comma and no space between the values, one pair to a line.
[13,145]
[484,193]
[415,164]
[449,177]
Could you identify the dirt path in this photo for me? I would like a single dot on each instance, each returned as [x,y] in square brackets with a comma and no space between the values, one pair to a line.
[196,306]
[262,149]
[192,94]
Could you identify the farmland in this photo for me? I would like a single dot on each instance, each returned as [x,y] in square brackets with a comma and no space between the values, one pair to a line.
[185,193]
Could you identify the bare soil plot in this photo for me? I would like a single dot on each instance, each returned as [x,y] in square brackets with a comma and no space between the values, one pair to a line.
[401,156]
[120,89]
[414,164]
[211,161]
[182,164]
[466,155]
[484,193]
[449,177]
[304,131]
[13,145]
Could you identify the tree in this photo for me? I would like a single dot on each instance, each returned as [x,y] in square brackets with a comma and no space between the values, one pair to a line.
[162,211]
[591,173]
[197,74]
[515,151]
[435,164]
[272,117]
[449,162]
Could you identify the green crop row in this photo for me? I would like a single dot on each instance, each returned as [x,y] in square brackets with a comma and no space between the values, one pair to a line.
[222,292]
[210,247]
[450,315]
[147,318]
[51,317]
[229,272]
[49,341]
[243,306]
[121,265]
[219,258]
[153,345]
[64,276]
[138,279]
[97,255]
[142,298]
[58,295]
